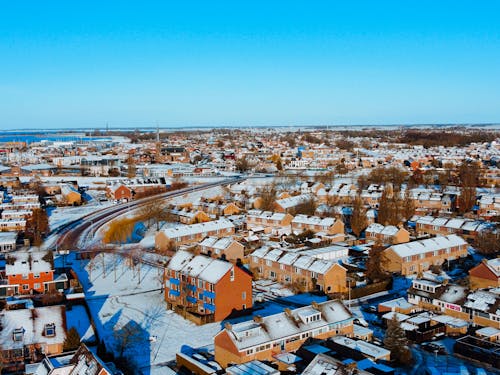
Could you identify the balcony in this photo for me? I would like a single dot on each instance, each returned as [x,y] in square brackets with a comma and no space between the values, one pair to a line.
[174,293]
[208,294]
[209,307]
[174,281]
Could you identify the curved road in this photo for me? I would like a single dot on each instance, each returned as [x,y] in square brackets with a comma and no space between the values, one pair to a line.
[76,234]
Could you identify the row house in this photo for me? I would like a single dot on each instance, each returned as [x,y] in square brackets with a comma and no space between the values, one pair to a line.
[428,202]
[8,241]
[327,225]
[388,234]
[489,205]
[287,205]
[16,214]
[29,206]
[344,194]
[29,273]
[188,234]
[265,337]
[443,226]
[188,216]
[206,288]
[306,271]
[269,222]
[486,274]
[25,198]
[480,307]
[29,334]
[14,225]
[225,247]
[418,256]
[217,209]
[371,198]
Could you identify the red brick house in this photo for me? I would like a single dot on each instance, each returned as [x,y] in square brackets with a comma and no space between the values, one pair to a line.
[206,289]
[119,192]
[29,273]
[486,274]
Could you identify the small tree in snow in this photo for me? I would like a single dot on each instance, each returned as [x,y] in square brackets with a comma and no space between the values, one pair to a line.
[395,340]
[72,340]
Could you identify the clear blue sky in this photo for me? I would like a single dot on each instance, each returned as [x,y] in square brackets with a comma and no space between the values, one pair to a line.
[82,64]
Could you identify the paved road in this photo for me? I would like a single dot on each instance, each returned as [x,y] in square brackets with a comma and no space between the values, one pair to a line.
[78,233]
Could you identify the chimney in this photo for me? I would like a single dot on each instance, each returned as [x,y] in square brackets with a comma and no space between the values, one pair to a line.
[228,326]
[257,319]
[315,305]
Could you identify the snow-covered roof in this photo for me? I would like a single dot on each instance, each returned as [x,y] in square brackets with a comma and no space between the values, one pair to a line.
[364,347]
[389,230]
[313,220]
[266,215]
[427,245]
[186,230]
[217,243]
[8,237]
[24,265]
[293,201]
[31,323]
[199,266]
[287,324]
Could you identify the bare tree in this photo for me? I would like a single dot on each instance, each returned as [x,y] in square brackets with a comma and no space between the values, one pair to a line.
[469,178]
[488,241]
[359,220]
[131,168]
[307,207]
[153,211]
[242,165]
[268,197]
[408,206]
[37,226]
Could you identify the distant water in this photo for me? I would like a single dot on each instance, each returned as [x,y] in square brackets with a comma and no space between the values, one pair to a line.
[30,137]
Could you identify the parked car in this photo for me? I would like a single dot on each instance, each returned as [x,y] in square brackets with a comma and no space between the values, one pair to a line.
[434,348]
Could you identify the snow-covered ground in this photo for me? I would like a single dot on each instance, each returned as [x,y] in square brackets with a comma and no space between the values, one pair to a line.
[63,215]
[77,317]
[127,306]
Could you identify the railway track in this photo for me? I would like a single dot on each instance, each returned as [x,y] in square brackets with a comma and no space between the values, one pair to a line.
[76,234]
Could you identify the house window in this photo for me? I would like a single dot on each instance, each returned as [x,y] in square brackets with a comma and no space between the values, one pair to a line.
[26,286]
[50,330]
[36,286]
[18,334]
[231,275]
[272,274]
[244,296]
[200,284]
[25,276]
[269,262]
[36,275]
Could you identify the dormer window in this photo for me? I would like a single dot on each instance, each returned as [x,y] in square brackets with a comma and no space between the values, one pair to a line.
[50,330]
[18,334]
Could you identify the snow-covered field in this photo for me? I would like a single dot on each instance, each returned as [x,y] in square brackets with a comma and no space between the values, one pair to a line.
[127,306]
